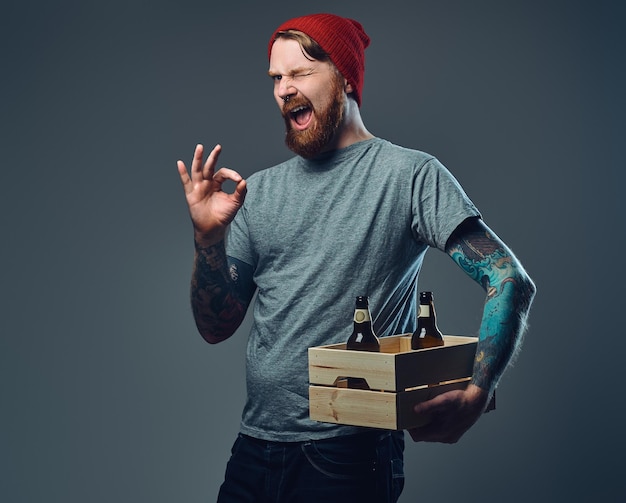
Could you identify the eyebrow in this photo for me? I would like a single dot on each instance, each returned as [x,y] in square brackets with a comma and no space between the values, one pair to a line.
[295,71]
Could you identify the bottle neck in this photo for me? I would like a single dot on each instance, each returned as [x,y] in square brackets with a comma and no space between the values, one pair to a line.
[424,311]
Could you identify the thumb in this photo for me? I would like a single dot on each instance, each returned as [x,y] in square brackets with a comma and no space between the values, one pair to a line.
[241,189]
[432,405]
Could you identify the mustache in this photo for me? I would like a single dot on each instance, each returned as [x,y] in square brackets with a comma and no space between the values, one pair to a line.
[295,103]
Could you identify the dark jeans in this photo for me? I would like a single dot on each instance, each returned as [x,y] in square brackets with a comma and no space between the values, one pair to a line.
[363,468]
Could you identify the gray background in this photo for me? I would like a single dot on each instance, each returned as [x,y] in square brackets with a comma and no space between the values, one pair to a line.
[107,392]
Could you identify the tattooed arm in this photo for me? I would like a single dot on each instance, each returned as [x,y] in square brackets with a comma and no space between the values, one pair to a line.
[510,291]
[221,290]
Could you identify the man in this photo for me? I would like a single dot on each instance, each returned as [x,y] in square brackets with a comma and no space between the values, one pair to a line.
[351,214]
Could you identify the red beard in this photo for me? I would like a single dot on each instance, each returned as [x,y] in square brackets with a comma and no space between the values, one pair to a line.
[313,140]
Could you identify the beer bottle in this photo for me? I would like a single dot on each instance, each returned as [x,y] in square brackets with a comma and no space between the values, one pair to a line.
[363,337]
[427,334]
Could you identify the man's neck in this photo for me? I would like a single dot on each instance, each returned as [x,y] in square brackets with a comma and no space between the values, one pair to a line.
[352,130]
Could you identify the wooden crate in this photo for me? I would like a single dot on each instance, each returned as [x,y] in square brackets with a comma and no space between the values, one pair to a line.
[395,380]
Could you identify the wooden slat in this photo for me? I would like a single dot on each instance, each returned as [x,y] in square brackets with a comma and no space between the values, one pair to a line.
[326,365]
[353,406]
[376,409]
[396,367]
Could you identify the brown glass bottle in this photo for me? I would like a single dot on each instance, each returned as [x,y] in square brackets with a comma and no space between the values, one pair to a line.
[427,334]
[363,337]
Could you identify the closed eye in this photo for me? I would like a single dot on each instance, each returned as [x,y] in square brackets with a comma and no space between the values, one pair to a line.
[302,74]
[295,74]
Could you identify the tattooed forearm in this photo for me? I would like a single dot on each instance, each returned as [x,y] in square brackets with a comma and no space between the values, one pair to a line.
[509,295]
[501,331]
[217,309]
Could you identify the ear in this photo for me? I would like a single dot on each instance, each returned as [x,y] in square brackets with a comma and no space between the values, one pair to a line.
[348,87]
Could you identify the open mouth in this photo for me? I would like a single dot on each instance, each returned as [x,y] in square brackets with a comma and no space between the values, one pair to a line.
[301,117]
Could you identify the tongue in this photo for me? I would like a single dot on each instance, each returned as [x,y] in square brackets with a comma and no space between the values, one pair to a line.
[302,117]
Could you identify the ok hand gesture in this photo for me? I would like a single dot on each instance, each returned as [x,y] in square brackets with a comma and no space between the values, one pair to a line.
[211,209]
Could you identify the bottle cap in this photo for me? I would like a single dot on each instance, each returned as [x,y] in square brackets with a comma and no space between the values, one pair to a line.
[362,302]
[426,296]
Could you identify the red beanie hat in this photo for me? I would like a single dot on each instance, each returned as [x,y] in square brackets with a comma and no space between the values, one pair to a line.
[343,39]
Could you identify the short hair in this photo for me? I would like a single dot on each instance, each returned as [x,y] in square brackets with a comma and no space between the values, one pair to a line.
[309,46]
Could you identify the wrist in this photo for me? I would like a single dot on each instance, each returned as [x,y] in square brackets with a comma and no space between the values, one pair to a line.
[204,240]
[477,394]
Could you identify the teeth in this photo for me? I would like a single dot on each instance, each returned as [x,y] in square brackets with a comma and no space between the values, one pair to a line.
[298,109]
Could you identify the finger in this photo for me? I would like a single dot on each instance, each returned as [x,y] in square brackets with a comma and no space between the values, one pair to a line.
[440,434]
[422,434]
[196,163]
[209,166]
[224,174]
[417,435]
[241,188]
[426,434]
[184,176]
[428,407]
[437,404]
[240,191]
[430,429]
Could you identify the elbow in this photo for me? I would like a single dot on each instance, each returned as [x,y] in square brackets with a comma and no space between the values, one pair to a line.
[216,326]
[532,289]
[211,338]
[216,331]
[529,287]
[214,335]
[526,289]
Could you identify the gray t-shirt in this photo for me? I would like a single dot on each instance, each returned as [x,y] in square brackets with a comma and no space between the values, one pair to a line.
[318,233]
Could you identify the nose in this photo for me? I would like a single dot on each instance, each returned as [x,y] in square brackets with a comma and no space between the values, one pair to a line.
[285,90]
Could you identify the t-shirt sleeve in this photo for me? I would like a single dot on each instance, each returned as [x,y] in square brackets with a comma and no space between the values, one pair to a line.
[439,204]
[238,242]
